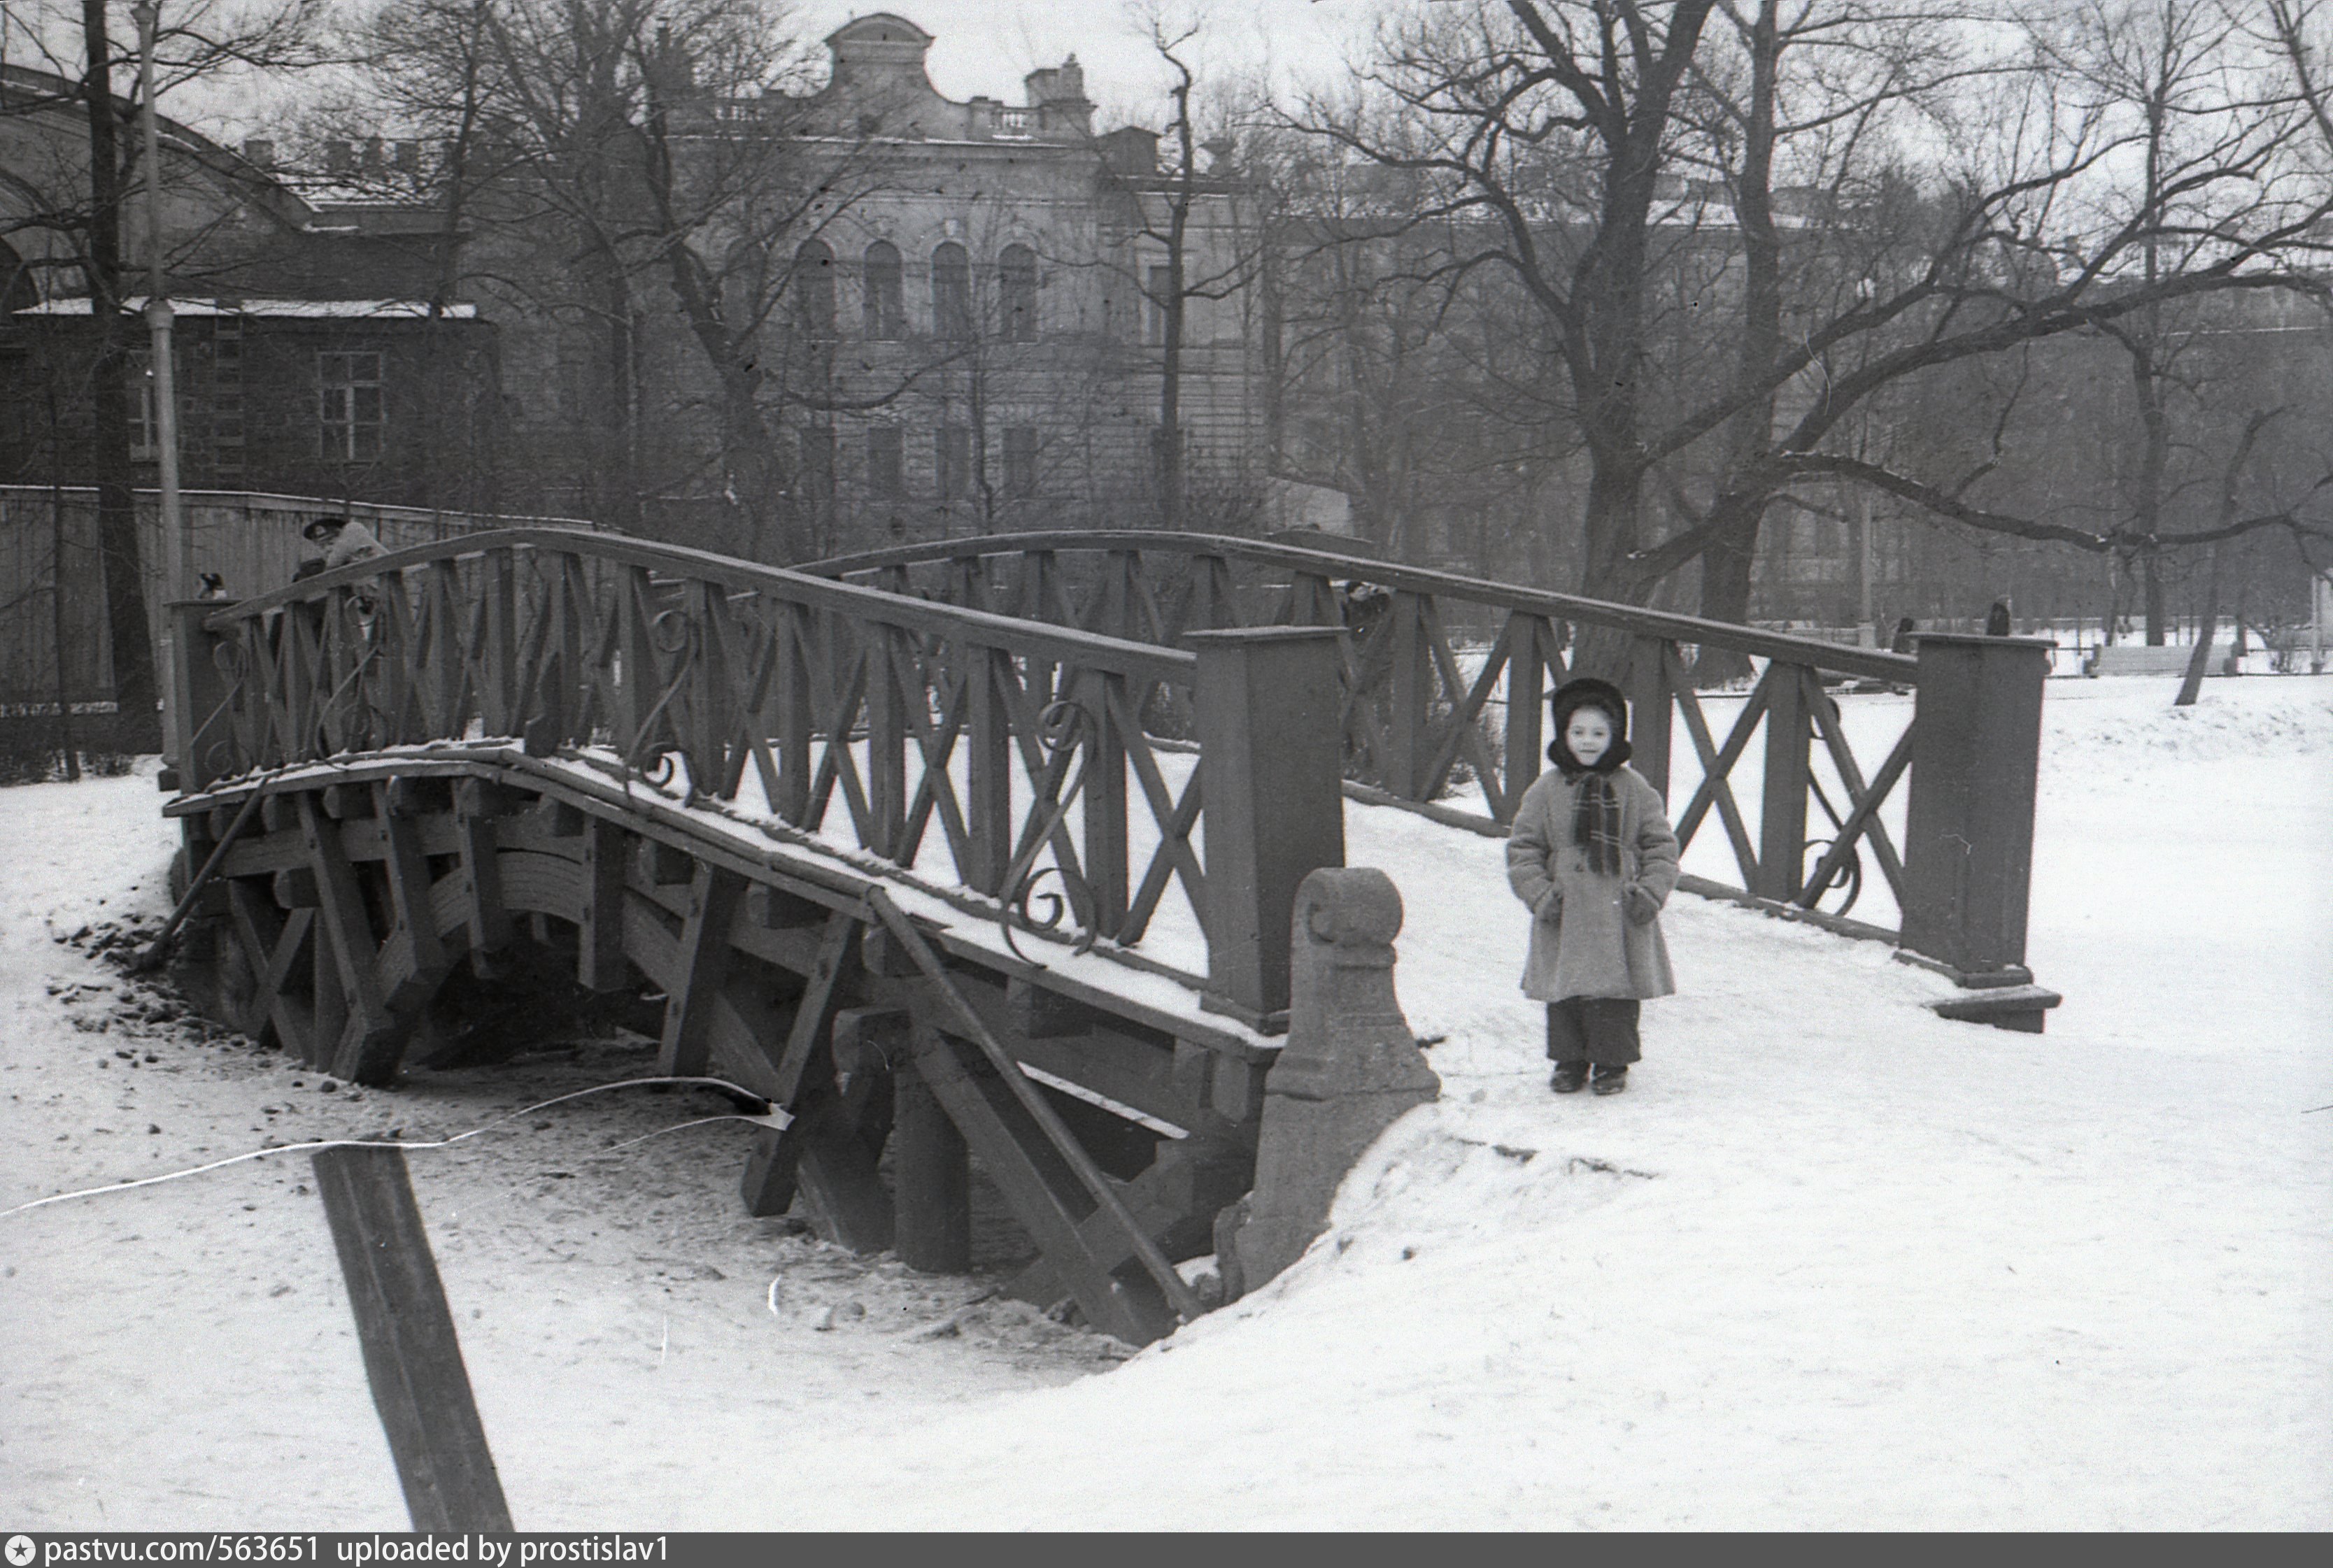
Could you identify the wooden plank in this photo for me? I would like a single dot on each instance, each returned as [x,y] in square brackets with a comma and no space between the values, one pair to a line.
[412,1355]
[274,945]
[330,1014]
[1783,806]
[482,888]
[989,741]
[1175,1202]
[792,701]
[409,898]
[887,742]
[599,940]
[366,1054]
[1717,765]
[1895,667]
[1108,883]
[931,1179]
[836,1184]
[1037,1184]
[685,1050]
[832,979]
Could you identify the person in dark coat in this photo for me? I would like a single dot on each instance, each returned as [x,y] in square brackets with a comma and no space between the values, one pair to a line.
[1902,641]
[1996,620]
[1592,856]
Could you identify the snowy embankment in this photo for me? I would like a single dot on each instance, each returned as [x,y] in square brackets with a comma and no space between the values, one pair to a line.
[1831,1261]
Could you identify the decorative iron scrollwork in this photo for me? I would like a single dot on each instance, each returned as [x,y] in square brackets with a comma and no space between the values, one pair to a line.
[1849,872]
[1061,725]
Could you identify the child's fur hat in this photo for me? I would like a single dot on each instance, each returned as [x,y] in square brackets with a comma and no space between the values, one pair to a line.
[1587,692]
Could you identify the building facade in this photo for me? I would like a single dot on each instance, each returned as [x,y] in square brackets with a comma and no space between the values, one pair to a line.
[313,353]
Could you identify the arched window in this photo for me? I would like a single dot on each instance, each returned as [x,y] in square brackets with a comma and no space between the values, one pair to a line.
[885,318]
[1016,294]
[813,288]
[952,291]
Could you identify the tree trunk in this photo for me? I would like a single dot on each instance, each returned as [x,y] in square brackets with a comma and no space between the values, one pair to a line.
[2199,662]
[139,722]
[1739,512]
[1725,597]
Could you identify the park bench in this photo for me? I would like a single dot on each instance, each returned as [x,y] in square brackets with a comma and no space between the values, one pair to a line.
[2169,660]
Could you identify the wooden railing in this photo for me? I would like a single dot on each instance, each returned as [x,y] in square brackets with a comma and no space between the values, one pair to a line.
[1444,679]
[1024,743]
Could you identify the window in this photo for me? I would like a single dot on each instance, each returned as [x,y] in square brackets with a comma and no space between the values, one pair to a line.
[885,317]
[1154,305]
[883,475]
[350,415]
[1016,294]
[1020,460]
[813,289]
[817,464]
[952,291]
[952,454]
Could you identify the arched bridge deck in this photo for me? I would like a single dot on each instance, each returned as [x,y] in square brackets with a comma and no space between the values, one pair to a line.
[986,846]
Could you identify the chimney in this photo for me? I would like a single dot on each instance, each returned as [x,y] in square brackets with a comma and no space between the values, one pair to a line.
[259,152]
[1059,96]
[1131,151]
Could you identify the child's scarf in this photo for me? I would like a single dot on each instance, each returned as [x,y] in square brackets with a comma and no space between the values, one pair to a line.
[1596,822]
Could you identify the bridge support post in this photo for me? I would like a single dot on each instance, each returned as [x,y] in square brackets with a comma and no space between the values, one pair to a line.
[1350,1067]
[1270,754]
[1968,834]
[932,1179]
[198,690]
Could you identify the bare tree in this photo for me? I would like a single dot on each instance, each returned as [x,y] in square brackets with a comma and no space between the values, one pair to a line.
[84,232]
[1562,133]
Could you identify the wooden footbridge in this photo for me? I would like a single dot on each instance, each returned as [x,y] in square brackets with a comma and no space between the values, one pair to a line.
[981,849]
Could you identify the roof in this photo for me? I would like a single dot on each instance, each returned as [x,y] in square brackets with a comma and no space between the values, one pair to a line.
[326,309]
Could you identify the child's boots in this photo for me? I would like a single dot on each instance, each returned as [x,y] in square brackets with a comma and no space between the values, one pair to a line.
[1570,1079]
[1611,1080]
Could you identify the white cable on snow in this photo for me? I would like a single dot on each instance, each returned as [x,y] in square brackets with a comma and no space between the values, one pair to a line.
[776,1118]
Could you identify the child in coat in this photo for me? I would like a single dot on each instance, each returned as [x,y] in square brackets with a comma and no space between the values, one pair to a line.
[1592,856]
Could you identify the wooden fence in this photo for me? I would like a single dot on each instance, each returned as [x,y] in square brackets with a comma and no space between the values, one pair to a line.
[56,650]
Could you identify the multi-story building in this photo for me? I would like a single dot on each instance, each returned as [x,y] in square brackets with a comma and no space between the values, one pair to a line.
[975,329]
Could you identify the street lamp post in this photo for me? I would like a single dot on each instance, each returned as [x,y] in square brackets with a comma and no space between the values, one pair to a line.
[177,585]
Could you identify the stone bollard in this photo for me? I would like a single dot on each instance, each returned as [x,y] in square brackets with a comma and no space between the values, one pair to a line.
[1349,1068]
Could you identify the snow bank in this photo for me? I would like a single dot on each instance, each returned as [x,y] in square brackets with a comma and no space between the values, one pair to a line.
[1830,1262]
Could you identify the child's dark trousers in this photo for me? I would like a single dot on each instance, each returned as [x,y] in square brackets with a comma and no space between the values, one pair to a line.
[1598,1029]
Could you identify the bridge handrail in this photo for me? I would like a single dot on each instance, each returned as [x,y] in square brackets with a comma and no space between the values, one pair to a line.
[1873,663]
[1431,716]
[1091,650]
[1027,745]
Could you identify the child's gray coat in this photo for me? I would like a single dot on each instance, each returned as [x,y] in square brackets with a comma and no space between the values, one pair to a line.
[1584,944]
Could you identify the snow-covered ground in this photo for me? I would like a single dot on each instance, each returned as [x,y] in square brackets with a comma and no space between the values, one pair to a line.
[1830,1262]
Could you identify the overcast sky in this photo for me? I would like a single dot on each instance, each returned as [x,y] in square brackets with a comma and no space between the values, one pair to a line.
[986,46]
[981,46]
